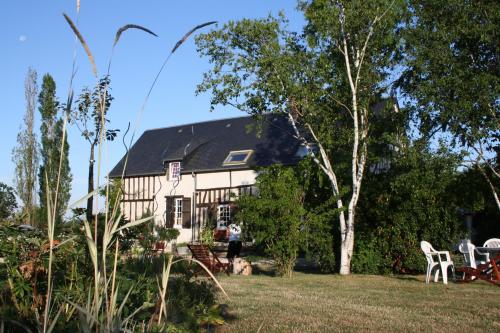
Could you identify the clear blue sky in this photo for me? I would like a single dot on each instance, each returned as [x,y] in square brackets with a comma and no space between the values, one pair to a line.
[34,33]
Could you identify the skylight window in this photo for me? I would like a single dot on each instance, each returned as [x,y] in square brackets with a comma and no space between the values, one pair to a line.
[237,157]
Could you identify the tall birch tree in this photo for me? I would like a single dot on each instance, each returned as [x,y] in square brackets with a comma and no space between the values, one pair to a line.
[326,80]
[25,154]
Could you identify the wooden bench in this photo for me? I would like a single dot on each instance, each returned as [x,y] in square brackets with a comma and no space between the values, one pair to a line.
[207,257]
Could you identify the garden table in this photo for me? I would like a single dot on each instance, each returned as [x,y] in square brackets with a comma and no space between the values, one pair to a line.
[489,271]
[494,253]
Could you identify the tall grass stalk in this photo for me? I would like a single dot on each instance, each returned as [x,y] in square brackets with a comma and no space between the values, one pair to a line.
[105,289]
[51,224]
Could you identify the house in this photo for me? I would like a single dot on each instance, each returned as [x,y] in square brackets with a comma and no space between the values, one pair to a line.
[192,174]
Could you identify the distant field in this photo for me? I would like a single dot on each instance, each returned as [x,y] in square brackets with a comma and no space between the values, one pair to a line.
[366,303]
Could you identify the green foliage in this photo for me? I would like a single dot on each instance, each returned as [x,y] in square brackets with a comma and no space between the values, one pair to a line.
[207,236]
[93,106]
[7,201]
[452,68]
[23,274]
[167,234]
[333,72]
[319,229]
[274,217]
[188,302]
[412,201]
[90,119]
[319,232]
[473,194]
[51,130]
[191,302]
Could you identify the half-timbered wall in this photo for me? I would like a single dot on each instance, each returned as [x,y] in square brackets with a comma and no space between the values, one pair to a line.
[207,201]
[138,196]
[206,190]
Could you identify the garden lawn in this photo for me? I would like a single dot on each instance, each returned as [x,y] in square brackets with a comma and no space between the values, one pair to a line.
[367,303]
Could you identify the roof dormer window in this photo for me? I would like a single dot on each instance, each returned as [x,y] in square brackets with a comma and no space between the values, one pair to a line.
[174,171]
[237,157]
[305,149]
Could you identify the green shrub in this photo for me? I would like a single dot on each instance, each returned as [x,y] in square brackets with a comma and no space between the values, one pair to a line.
[368,257]
[413,201]
[167,234]
[274,217]
[207,236]
[7,201]
[318,235]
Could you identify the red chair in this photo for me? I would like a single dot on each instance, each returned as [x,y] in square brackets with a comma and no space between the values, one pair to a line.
[207,257]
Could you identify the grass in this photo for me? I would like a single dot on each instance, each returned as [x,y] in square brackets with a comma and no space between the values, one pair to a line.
[334,303]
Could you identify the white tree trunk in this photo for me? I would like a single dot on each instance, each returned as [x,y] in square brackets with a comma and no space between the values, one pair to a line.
[347,246]
[359,148]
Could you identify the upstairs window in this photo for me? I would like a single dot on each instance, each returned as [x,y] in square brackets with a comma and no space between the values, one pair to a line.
[174,171]
[237,157]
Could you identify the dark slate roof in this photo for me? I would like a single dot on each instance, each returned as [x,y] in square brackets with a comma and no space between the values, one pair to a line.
[203,147]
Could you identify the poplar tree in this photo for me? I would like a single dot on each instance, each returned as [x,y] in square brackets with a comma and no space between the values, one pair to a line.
[54,152]
[25,155]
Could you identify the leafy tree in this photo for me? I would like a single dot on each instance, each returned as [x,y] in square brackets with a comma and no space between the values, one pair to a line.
[319,235]
[474,195]
[7,201]
[91,122]
[274,217]
[25,154]
[54,174]
[452,75]
[413,200]
[333,73]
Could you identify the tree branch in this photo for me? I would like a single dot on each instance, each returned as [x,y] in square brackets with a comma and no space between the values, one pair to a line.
[488,180]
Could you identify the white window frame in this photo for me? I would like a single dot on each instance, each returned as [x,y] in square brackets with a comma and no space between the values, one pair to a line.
[174,171]
[228,161]
[223,214]
[178,211]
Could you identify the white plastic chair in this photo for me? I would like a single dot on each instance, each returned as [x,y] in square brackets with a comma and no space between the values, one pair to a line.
[492,242]
[441,264]
[469,250]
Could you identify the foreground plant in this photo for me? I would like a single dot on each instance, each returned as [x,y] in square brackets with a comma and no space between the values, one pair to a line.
[102,311]
[99,300]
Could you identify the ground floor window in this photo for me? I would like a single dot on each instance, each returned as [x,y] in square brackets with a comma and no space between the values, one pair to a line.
[178,211]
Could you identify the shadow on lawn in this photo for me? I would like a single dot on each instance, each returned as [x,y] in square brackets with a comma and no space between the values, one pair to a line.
[409,278]
[259,268]
[267,267]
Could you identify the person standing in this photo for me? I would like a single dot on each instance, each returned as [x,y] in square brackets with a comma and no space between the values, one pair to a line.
[234,247]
